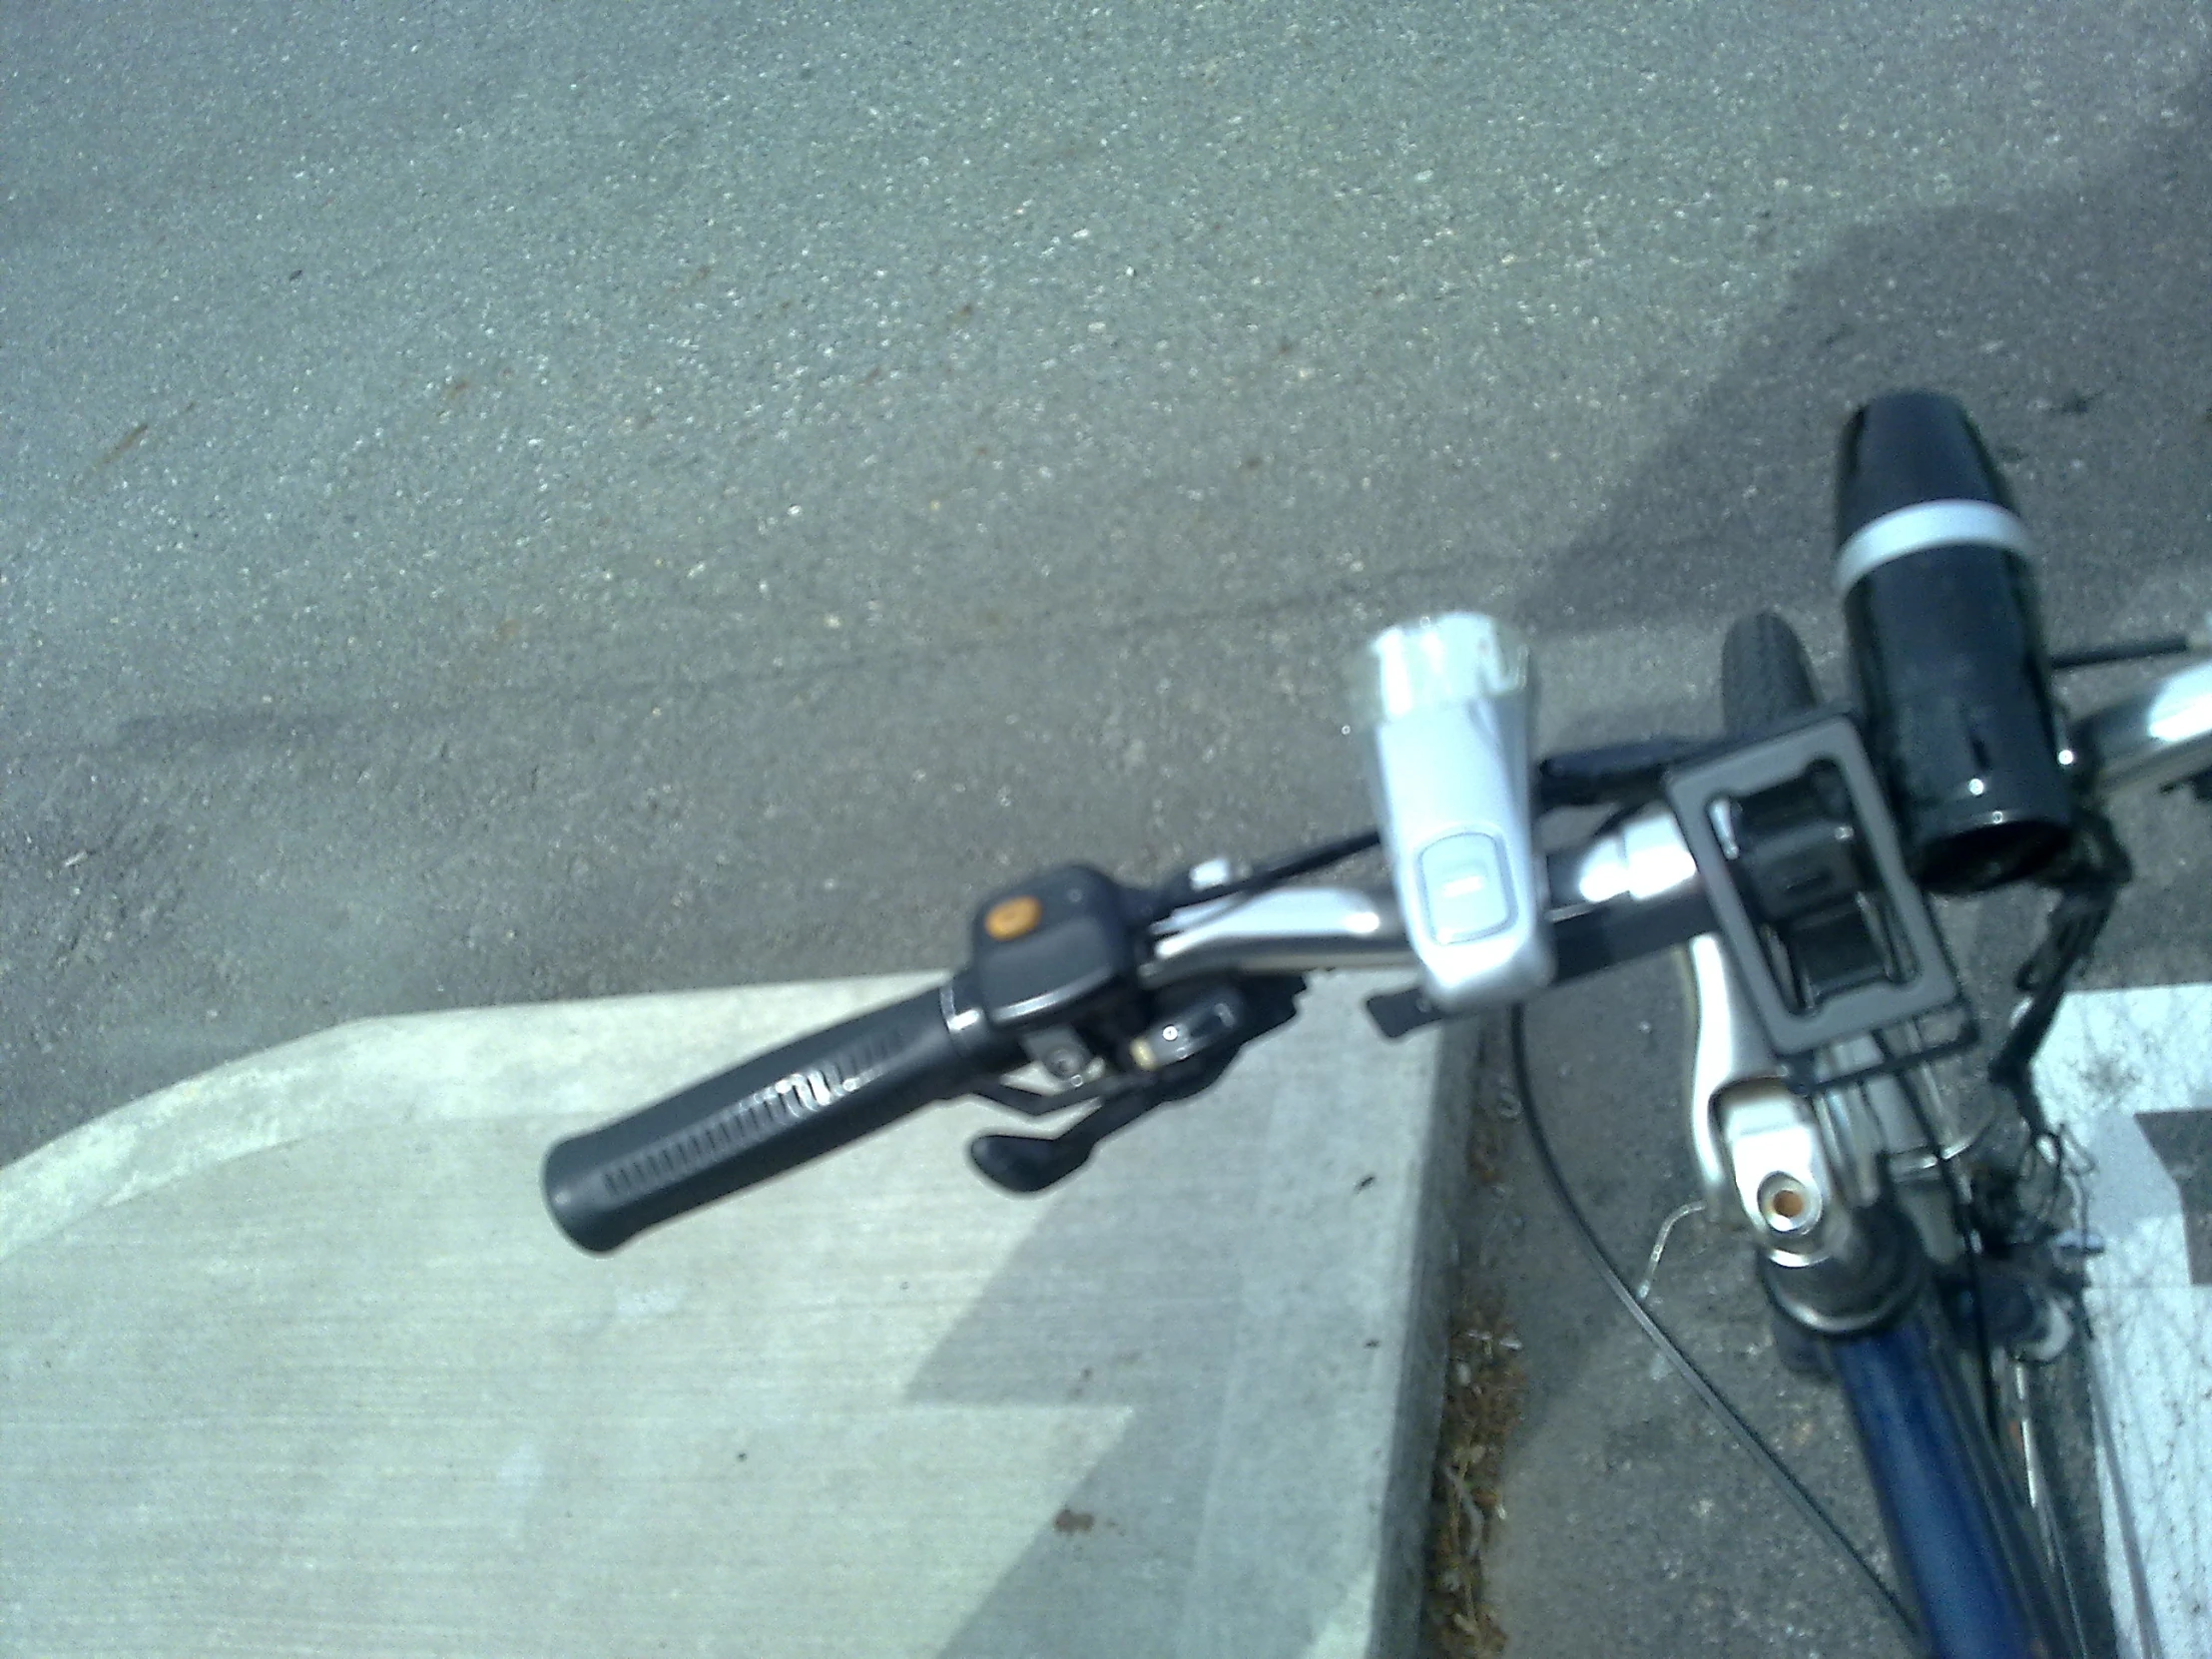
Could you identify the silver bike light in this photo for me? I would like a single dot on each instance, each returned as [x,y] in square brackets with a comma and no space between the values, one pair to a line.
[1447,705]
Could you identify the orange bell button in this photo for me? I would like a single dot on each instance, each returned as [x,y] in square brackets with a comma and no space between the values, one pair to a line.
[1010,918]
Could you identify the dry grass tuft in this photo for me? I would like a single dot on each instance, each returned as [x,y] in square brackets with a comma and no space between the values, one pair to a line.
[1484,1386]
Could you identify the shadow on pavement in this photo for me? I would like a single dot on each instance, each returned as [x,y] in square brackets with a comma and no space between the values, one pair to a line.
[2073,326]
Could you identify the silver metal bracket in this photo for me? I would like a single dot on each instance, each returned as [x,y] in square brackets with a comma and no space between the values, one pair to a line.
[1782,1185]
[1730,1051]
[1772,1162]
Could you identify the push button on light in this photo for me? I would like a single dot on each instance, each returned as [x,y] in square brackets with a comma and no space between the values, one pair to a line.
[1463,887]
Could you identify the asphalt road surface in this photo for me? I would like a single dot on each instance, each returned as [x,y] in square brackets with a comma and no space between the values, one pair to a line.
[508,503]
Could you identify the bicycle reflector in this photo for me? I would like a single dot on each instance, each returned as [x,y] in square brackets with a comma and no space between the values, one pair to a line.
[1946,644]
[1447,705]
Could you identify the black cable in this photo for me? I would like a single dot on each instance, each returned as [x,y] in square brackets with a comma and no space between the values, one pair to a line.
[1293,865]
[2075,1290]
[2052,1156]
[1268,873]
[1732,1419]
[2121,650]
[1968,1236]
[2087,892]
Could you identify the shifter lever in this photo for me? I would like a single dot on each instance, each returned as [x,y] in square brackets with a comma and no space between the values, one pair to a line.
[1031,1163]
[1176,1057]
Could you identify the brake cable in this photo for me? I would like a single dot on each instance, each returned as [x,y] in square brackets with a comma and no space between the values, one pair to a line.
[1702,1387]
[1959,1199]
[1182,893]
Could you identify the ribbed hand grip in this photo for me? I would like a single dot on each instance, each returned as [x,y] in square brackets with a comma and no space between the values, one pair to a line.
[773,1112]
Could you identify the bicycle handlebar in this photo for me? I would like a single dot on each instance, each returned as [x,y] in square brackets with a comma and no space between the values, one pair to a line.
[2151,740]
[1627,892]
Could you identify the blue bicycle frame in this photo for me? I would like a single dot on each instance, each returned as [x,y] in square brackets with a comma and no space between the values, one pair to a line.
[1953,1520]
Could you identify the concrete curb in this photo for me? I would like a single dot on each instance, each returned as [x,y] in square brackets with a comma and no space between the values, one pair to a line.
[293,1360]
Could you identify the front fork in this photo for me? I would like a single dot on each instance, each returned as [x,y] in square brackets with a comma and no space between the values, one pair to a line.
[1846,1267]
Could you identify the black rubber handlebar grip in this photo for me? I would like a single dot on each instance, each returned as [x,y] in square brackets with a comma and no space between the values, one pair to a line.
[771,1113]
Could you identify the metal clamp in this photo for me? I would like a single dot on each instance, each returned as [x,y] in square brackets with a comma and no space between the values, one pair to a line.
[1781,1184]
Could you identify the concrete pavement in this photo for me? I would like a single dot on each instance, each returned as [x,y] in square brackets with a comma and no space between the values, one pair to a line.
[293,1361]
[509,504]
[2129,1074]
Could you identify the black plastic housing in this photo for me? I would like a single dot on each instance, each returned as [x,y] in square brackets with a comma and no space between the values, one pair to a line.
[1946,644]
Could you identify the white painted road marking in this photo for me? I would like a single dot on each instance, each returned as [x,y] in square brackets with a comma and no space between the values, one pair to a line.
[2130,1074]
